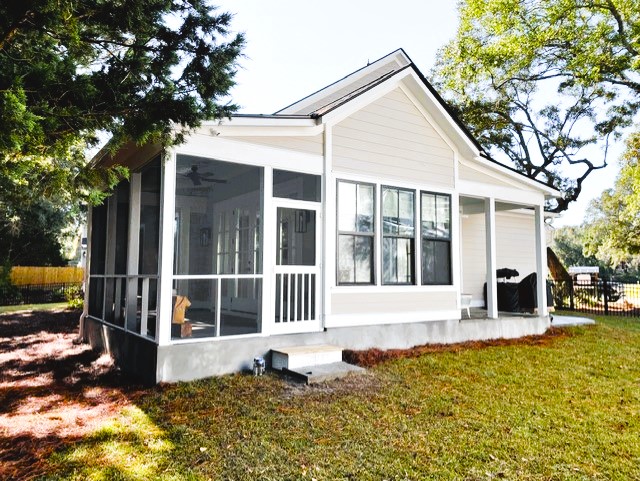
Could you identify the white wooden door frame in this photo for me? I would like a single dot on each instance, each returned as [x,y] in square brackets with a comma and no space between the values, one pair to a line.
[269,320]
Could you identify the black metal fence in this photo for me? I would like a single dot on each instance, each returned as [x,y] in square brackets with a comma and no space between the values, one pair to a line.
[598,297]
[38,293]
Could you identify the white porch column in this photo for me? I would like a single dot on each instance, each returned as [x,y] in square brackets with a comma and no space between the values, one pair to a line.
[133,249]
[490,229]
[328,221]
[541,261]
[167,220]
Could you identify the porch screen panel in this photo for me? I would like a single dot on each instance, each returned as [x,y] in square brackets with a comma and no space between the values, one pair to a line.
[123,194]
[436,238]
[398,231]
[149,218]
[355,213]
[218,237]
[97,260]
[98,238]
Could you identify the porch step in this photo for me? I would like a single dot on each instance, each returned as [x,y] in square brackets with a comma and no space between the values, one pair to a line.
[322,372]
[295,357]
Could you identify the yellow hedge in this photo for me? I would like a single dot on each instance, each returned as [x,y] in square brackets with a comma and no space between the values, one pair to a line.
[21,276]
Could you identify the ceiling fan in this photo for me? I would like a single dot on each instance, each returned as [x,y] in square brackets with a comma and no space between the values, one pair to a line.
[198,178]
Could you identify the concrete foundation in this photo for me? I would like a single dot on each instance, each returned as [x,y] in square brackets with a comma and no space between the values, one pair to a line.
[150,363]
[183,362]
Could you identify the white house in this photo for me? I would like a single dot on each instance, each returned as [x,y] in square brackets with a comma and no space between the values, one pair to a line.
[357,216]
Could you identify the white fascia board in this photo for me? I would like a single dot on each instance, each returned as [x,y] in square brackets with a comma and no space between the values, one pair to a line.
[262,127]
[549,191]
[266,121]
[513,195]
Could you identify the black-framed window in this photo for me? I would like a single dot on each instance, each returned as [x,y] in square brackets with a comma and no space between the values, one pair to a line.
[398,236]
[356,231]
[436,238]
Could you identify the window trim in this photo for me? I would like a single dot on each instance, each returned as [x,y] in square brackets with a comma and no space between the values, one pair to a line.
[371,235]
[436,238]
[412,263]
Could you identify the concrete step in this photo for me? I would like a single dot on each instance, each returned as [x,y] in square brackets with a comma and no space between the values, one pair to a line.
[295,357]
[322,372]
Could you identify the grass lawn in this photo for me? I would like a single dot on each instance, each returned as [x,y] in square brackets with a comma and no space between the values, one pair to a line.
[566,406]
[33,307]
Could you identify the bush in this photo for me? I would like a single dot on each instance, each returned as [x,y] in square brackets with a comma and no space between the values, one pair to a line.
[74,297]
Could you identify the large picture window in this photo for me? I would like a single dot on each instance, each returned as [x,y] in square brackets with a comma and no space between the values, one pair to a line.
[356,214]
[398,236]
[436,238]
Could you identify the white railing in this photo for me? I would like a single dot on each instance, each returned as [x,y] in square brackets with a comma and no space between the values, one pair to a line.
[295,294]
[217,278]
[127,303]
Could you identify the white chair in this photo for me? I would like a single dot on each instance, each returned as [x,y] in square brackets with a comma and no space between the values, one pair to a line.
[465,303]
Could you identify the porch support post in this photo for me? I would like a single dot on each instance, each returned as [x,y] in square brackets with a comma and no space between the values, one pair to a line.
[86,276]
[490,230]
[541,261]
[134,250]
[328,263]
[268,248]
[167,219]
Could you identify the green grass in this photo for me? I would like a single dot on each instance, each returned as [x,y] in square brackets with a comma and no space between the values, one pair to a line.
[565,409]
[34,307]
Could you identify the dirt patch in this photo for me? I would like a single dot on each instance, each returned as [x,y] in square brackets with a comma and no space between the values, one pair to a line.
[372,357]
[53,391]
[363,383]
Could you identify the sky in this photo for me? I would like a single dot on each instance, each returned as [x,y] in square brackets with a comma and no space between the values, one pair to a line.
[295,47]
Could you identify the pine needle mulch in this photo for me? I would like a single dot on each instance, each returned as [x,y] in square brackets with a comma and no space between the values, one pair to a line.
[53,392]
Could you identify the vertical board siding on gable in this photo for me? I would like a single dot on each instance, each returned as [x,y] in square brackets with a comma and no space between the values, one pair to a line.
[391,138]
[308,145]
[515,248]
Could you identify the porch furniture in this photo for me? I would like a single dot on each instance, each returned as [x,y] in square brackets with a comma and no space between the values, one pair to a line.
[465,303]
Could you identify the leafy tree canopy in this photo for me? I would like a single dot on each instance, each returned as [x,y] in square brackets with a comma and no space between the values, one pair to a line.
[72,68]
[545,83]
[36,240]
[568,244]
[613,220]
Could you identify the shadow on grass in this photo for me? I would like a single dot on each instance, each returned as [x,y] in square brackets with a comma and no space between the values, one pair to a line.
[53,391]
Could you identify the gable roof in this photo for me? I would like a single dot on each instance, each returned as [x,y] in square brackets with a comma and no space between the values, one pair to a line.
[333,96]
[348,87]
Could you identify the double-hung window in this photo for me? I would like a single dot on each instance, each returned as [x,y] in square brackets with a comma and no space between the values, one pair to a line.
[398,233]
[436,238]
[356,229]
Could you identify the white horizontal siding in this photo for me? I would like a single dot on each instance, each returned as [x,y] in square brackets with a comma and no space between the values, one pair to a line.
[391,138]
[515,248]
[473,255]
[309,145]
[516,243]
[468,173]
[390,302]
